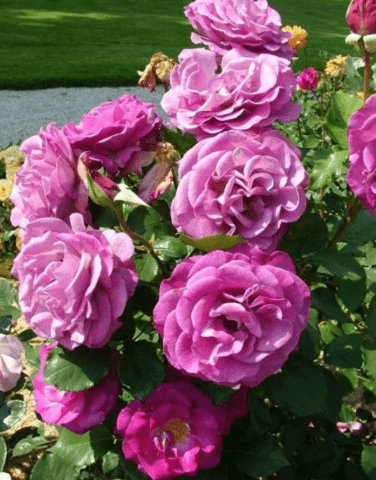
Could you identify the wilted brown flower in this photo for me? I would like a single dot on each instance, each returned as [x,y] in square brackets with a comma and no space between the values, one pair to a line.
[6,186]
[13,159]
[159,68]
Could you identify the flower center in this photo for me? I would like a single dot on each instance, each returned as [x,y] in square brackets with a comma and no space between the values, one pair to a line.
[178,429]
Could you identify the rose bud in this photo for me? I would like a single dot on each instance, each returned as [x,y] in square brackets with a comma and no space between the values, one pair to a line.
[361,16]
[307,79]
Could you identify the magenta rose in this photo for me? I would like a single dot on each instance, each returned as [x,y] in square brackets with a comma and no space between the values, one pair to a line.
[307,79]
[121,134]
[361,135]
[176,431]
[250,91]
[226,24]
[47,184]
[77,411]
[361,16]
[10,361]
[240,184]
[232,317]
[74,282]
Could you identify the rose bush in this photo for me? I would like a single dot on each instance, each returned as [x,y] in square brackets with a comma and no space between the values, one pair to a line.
[250,91]
[240,184]
[74,282]
[232,317]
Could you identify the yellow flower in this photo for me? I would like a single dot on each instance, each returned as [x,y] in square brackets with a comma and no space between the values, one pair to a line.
[298,39]
[5,189]
[360,95]
[336,65]
[13,159]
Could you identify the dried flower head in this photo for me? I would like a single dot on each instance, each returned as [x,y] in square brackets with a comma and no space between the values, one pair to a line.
[13,159]
[298,39]
[336,65]
[159,68]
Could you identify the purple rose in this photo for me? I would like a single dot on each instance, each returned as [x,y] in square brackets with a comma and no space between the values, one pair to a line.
[226,24]
[250,91]
[232,317]
[361,134]
[176,431]
[74,282]
[121,134]
[240,184]
[307,79]
[47,184]
[10,361]
[361,16]
[76,411]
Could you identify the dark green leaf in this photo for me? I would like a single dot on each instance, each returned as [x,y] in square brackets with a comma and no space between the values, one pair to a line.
[32,355]
[345,351]
[78,369]
[4,323]
[146,221]
[328,166]
[336,120]
[131,470]
[371,317]
[369,461]
[12,312]
[321,459]
[352,293]
[218,393]
[27,445]
[369,358]
[181,141]
[140,369]
[8,294]
[361,230]
[309,345]
[11,413]
[51,467]
[83,450]
[3,453]
[341,265]
[295,433]
[260,459]
[169,247]
[259,417]
[221,241]
[323,299]
[147,267]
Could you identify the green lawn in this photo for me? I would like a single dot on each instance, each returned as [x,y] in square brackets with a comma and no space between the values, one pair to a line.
[47,43]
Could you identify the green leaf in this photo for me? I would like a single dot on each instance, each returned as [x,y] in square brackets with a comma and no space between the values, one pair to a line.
[260,459]
[361,230]
[259,416]
[27,445]
[345,351]
[32,355]
[369,461]
[147,267]
[11,413]
[140,369]
[83,450]
[147,222]
[131,470]
[218,393]
[324,300]
[352,293]
[309,345]
[371,317]
[336,120]
[221,241]
[341,265]
[353,80]
[169,247]
[126,195]
[181,141]
[369,358]
[3,453]
[329,331]
[11,312]
[8,294]
[78,369]
[51,467]
[328,166]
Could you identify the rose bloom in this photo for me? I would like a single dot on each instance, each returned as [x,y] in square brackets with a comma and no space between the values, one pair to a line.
[361,16]
[232,317]
[240,184]
[121,134]
[226,24]
[47,184]
[251,91]
[361,135]
[176,431]
[10,361]
[74,282]
[307,79]
[77,411]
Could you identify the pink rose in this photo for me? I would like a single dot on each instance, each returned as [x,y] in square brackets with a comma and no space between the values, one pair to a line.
[232,317]
[74,282]
[361,16]
[47,184]
[307,79]
[361,134]
[226,24]
[76,411]
[250,91]
[121,134]
[10,361]
[240,184]
[176,431]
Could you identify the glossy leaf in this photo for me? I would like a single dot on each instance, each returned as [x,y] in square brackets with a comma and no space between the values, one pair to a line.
[220,241]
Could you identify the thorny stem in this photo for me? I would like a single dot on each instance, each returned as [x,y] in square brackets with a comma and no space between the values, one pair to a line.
[367,74]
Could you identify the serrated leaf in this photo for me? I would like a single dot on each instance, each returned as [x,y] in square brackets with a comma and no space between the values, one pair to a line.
[83,450]
[323,299]
[369,358]
[345,351]
[128,196]
[260,459]
[148,223]
[147,267]
[336,120]
[326,168]
[51,467]
[78,369]
[3,453]
[27,445]
[8,294]
[361,230]
[11,413]
[341,265]
[140,369]
[169,247]
[221,241]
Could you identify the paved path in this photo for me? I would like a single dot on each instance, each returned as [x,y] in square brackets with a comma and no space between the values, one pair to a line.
[24,112]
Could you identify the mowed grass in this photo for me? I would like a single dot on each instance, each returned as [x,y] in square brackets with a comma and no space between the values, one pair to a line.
[55,43]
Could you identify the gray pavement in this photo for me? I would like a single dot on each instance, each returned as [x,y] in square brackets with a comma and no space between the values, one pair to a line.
[24,112]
